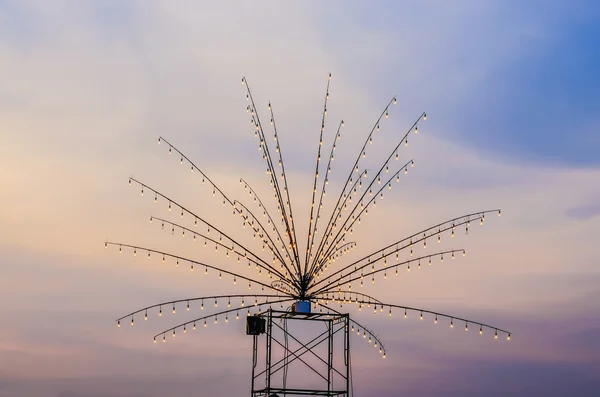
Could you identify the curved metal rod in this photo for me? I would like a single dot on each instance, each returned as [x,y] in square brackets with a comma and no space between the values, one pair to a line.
[336,213]
[325,180]
[188,300]
[385,110]
[183,156]
[270,243]
[327,298]
[261,231]
[207,238]
[193,262]
[444,315]
[289,223]
[318,162]
[285,184]
[336,252]
[386,163]
[266,212]
[340,283]
[365,331]
[184,209]
[285,286]
[426,233]
[183,325]
[364,208]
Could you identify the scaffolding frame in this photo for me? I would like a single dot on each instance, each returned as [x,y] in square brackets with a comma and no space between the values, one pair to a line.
[336,324]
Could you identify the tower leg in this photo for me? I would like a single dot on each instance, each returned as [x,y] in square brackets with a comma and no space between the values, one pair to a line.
[254,361]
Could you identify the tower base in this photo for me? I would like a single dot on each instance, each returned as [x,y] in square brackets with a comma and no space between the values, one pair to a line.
[308,360]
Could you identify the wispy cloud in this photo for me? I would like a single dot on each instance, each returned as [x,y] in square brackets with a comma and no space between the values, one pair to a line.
[584,212]
[88,88]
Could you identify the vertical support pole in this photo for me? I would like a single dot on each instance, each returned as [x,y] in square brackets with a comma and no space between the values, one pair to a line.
[269,345]
[254,361]
[330,326]
[347,351]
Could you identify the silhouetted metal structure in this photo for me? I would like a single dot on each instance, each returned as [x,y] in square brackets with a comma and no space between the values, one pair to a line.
[293,276]
[283,348]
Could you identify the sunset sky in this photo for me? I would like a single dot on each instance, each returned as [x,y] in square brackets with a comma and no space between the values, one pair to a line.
[511,90]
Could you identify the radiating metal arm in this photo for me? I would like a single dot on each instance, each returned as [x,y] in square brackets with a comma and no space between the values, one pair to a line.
[366,331]
[268,241]
[284,177]
[194,166]
[338,252]
[316,177]
[257,261]
[441,315]
[354,167]
[332,226]
[193,322]
[325,182]
[354,218]
[196,217]
[270,168]
[421,236]
[339,282]
[385,165]
[188,300]
[191,261]
[325,298]
[261,205]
